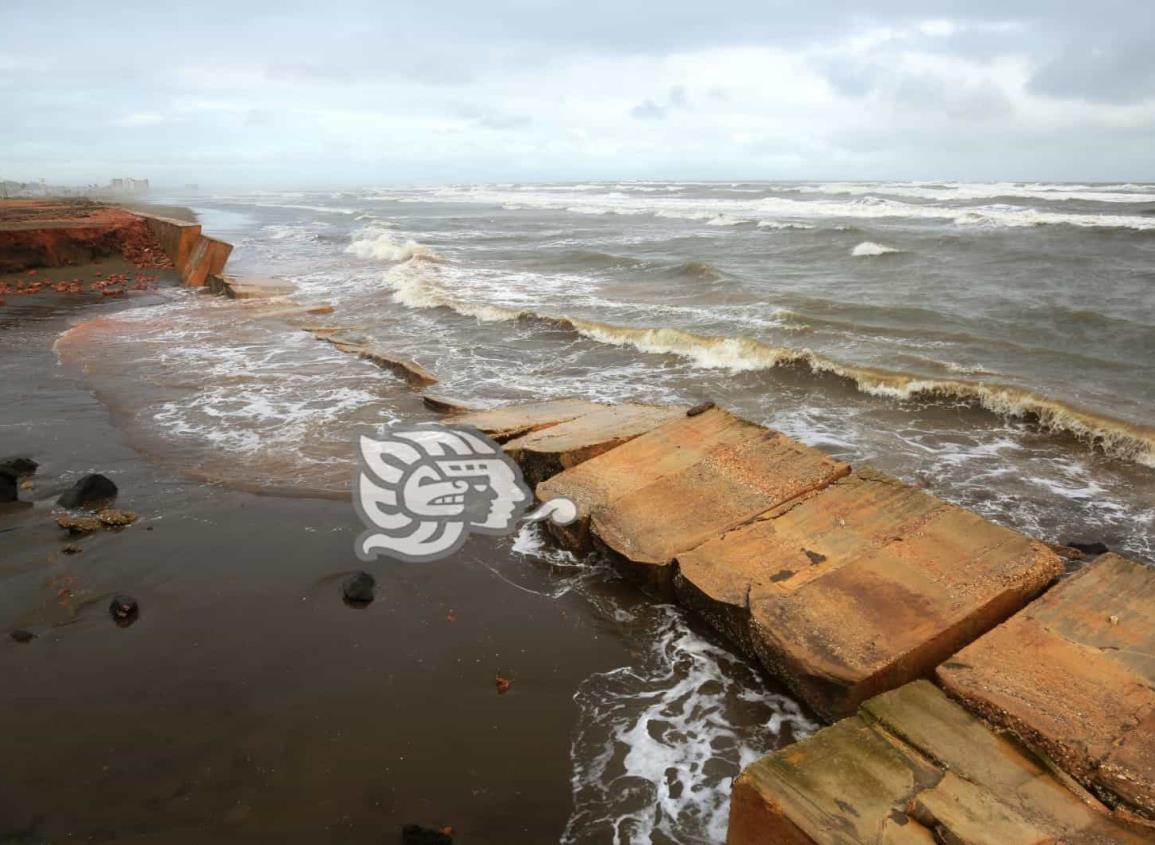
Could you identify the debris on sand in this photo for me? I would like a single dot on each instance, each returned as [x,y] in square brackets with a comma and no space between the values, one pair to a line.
[124,609]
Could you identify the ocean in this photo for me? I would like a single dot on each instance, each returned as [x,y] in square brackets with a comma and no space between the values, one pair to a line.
[994,343]
[991,343]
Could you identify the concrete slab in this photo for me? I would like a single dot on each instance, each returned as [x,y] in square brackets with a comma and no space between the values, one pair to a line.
[546,452]
[913,767]
[683,483]
[411,371]
[861,587]
[1073,674]
[254,287]
[506,423]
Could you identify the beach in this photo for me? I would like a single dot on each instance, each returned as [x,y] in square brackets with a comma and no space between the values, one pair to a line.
[249,701]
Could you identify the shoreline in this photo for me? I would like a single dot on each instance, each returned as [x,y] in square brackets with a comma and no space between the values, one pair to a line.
[703,600]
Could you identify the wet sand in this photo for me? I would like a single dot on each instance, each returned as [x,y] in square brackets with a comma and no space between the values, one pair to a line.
[248,703]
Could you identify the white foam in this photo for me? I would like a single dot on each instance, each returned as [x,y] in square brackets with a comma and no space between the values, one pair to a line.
[658,743]
[870,248]
[382,244]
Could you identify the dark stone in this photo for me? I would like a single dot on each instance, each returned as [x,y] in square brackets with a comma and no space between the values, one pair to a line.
[9,489]
[89,490]
[1089,548]
[415,834]
[358,588]
[700,408]
[22,636]
[124,609]
[19,467]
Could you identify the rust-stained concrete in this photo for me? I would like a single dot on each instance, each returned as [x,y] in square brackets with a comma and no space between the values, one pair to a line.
[506,423]
[206,258]
[914,768]
[861,587]
[683,483]
[546,452]
[1073,674]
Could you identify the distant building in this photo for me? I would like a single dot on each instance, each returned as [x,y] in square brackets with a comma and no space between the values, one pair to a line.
[128,186]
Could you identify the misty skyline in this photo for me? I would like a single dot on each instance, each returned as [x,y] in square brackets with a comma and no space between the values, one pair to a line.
[285,95]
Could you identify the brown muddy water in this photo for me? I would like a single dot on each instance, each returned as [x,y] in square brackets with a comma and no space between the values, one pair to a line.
[248,703]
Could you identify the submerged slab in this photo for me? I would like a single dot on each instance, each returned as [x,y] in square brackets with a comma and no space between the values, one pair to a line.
[861,587]
[255,287]
[913,768]
[683,483]
[504,424]
[551,450]
[1074,675]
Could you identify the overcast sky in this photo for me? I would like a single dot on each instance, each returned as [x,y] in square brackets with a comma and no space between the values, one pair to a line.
[366,92]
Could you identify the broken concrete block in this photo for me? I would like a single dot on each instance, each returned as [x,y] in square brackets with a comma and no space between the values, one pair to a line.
[510,421]
[861,587]
[254,287]
[915,768]
[683,483]
[1073,674]
[548,451]
[411,371]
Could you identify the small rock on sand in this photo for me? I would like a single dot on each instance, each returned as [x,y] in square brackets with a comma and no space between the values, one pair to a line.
[123,609]
[22,636]
[19,467]
[8,492]
[90,490]
[358,589]
[700,408]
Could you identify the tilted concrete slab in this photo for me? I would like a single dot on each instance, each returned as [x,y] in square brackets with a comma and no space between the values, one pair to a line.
[546,452]
[207,257]
[913,767]
[683,483]
[861,587]
[251,287]
[506,423]
[1073,674]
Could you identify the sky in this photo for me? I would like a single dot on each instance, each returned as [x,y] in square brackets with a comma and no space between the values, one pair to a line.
[346,93]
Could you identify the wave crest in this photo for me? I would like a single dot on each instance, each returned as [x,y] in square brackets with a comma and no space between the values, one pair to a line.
[1117,438]
[870,248]
[382,244]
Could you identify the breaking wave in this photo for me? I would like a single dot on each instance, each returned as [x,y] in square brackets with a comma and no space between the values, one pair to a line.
[870,248]
[382,244]
[1116,438]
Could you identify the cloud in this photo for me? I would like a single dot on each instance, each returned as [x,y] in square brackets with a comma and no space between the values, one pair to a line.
[289,93]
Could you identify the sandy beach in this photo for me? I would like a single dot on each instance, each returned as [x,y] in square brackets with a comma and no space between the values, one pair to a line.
[249,702]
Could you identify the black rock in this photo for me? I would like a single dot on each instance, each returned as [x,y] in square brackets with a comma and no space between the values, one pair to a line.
[89,490]
[1089,548]
[700,408]
[124,609]
[19,467]
[9,489]
[415,834]
[358,588]
[22,636]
